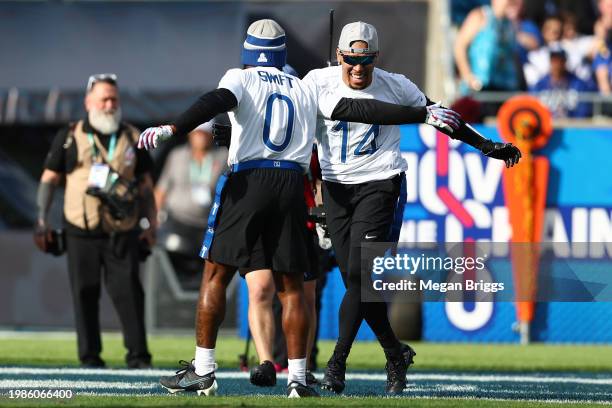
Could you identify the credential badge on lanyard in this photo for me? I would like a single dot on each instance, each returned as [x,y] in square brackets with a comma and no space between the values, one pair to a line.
[99,173]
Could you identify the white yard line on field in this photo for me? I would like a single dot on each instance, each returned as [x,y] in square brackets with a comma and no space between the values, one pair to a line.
[467,377]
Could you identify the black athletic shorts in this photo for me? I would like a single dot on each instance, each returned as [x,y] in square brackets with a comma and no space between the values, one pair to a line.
[258,259]
[312,244]
[261,222]
[367,212]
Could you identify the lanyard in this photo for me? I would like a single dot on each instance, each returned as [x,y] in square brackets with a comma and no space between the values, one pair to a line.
[111,146]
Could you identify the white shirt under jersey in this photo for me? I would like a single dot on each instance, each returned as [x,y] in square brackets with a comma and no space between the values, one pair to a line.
[275,117]
[353,153]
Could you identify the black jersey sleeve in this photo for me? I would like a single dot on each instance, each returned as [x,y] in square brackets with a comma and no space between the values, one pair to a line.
[377,112]
[204,109]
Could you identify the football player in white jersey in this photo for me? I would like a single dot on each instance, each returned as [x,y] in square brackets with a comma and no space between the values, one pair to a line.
[363,175]
[258,218]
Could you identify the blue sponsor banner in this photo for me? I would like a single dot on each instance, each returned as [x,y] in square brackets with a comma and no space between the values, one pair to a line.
[555,322]
[446,178]
[578,209]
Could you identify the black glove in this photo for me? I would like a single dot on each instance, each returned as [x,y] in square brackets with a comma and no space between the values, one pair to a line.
[507,152]
[222,134]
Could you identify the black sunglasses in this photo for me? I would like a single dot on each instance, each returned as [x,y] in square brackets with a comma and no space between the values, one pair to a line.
[108,78]
[358,59]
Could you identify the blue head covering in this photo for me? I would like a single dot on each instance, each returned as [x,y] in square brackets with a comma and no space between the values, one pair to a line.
[264,45]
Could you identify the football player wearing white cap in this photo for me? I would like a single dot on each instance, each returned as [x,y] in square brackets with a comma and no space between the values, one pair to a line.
[364,189]
[258,217]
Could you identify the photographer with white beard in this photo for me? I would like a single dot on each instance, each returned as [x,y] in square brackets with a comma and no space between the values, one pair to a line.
[108,200]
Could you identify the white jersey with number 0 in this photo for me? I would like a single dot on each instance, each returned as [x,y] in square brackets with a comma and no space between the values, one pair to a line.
[353,153]
[275,117]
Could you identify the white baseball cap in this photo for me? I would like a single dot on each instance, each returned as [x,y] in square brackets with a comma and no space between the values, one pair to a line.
[358,31]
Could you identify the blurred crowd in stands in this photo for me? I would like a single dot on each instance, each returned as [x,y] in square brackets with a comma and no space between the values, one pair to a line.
[555,49]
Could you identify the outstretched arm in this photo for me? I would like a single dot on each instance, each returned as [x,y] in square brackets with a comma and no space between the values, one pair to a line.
[445,120]
[507,152]
[382,113]
[204,109]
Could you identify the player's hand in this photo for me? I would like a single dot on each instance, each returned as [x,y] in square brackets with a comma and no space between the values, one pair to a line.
[153,135]
[222,134]
[42,235]
[507,152]
[442,118]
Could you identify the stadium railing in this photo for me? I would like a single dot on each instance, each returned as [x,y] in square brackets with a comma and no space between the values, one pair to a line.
[168,304]
[602,105]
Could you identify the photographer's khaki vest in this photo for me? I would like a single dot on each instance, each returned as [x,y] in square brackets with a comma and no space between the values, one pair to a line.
[83,210]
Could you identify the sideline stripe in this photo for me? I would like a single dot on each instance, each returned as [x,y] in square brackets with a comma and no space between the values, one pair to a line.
[155,373]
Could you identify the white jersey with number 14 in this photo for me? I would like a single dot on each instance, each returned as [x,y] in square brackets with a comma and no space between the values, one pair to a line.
[353,153]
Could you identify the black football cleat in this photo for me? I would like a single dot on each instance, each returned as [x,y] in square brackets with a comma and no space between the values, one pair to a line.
[396,374]
[263,375]
[297,390]
[333,379]
[409,354]
[186,379]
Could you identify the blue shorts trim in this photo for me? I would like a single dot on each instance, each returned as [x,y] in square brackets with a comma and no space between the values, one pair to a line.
[266,164]
[212,218]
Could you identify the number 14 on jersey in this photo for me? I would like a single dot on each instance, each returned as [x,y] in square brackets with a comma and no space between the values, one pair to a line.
[367,143]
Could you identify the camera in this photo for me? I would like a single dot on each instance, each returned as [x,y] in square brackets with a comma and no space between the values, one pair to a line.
[118,196]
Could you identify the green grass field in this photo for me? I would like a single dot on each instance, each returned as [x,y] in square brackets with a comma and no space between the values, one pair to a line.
[168,350]
[173,401]
[444,375]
